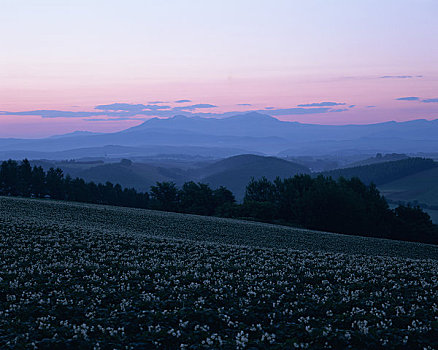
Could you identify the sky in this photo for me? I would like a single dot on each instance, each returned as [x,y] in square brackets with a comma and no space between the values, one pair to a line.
[106,65]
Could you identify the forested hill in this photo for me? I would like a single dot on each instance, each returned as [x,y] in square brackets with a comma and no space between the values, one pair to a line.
[382,173]
[236,172]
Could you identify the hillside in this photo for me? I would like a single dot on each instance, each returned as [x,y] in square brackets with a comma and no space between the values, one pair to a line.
[131,175]
[379,158]
[421,187]
[233,172]
[385,172]
[78,275]
[175,226]
[236,172]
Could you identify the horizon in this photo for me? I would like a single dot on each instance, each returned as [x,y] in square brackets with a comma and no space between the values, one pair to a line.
[216,118]
[341,63]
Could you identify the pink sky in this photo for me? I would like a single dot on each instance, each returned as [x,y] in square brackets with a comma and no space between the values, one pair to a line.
[223,53]
[279,93]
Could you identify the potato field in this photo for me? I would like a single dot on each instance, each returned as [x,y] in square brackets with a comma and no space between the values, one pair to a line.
[95,277]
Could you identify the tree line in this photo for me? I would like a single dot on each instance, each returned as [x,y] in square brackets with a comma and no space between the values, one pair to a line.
[320,203]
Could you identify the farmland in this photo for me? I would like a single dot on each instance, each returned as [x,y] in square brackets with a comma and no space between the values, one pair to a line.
[89,276]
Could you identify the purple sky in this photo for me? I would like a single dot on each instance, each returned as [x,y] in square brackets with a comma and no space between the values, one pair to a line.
[60,58]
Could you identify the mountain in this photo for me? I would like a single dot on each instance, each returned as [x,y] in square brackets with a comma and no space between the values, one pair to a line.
[250,124]
[251,132]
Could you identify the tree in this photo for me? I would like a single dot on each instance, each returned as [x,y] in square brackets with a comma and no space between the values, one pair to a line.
[164,196]
[38,187]
[55,184]
[413,224]
[261,190]
[24,183]
[224,202]
[197,198]
[289,194]
[9,177]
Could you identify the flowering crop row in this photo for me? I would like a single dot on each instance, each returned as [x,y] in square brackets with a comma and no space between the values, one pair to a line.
[81,276]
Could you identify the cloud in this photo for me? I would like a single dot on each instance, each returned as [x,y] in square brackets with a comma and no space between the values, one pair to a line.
[322,104]
[112,119]
[126,111]
[127,107]
[121,107]
[409,98]
[193,107]
[351,106]
[55,114]
[371,106]
[72,114]
[430,100]
[338,110]
[202,105]
[183,101]
[400,76]
[244,104]
[413,98]
[156,102]
[296,111]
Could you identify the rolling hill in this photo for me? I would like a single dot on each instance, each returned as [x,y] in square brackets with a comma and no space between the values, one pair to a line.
[236,172]
[421,187]
[137,175]
[381,173]
[233,172]
[379,158]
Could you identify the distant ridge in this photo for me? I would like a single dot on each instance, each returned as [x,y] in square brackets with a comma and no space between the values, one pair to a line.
[76,133]
[251,132]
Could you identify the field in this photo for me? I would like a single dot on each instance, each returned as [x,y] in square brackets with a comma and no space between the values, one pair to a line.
[98,277]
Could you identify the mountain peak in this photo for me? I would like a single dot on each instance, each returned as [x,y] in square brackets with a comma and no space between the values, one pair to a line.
[179,117]
[253,116]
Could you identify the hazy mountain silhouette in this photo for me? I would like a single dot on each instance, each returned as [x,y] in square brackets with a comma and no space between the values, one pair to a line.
[251,132]
[119,152]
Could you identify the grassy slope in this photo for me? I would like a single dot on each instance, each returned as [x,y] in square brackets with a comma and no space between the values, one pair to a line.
[206,229]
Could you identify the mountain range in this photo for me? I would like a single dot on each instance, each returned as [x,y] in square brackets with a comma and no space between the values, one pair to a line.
[240,134]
